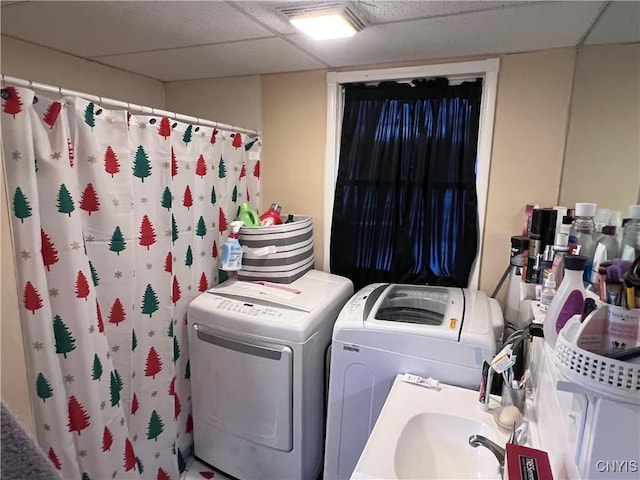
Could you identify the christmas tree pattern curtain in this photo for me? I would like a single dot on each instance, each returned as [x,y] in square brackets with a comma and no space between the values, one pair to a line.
[117,222]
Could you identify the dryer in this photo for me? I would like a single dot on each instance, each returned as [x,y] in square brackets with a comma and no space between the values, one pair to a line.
[386,329]
[257,356]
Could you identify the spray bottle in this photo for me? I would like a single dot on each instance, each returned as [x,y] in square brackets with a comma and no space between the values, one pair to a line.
[231,258]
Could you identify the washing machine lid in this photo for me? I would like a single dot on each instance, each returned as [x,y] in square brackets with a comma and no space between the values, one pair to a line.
[417,308]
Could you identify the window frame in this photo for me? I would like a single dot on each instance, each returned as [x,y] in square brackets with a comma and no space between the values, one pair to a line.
[486,69]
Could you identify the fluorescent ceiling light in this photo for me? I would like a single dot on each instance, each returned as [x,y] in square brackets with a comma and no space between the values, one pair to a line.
[324,26]
[325,20]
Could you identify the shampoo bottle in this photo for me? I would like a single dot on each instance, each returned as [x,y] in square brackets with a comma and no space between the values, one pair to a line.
[568,300]
[231,258]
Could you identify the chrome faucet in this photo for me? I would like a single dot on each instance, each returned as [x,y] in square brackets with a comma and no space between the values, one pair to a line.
[498,452]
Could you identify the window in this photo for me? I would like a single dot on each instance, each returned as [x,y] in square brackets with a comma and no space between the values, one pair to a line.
[457,73]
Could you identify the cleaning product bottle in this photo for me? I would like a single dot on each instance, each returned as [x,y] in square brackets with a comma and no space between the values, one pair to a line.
[548,292]
[581,235]
[231,258]
[568,300]
[248,216]
[630,247]
[272,216]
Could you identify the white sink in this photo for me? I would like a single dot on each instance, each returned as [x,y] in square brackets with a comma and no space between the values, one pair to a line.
[424,434]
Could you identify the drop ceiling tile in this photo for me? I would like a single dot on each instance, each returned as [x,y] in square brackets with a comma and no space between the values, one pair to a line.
[620,23]
[251,57]
[532,27]
[88,29]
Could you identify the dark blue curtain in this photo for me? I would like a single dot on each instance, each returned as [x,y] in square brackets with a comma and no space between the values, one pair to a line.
[405,207]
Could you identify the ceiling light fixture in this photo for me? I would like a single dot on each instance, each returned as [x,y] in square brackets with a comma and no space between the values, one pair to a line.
[325,21]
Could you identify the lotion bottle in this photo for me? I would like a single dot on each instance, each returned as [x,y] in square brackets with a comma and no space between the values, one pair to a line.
[231,257]
[568,300]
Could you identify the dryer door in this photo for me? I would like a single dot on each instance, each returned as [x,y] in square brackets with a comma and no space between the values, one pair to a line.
[242,387]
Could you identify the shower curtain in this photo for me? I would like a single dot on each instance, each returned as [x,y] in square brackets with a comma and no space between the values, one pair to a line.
[118,221]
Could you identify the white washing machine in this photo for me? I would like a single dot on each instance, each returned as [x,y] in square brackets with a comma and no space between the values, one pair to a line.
[257,353]
[385,329]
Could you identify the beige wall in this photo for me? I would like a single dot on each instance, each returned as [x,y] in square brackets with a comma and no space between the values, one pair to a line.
[602,161]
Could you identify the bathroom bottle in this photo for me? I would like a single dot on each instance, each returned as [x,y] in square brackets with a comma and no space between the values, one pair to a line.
[568,300]
[272,216]
[630,247]
[548,292]
[231,257]
[581,235]
[248,216]
[606,249]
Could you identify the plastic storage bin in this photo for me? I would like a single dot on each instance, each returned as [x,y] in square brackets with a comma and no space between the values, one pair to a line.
[278,253]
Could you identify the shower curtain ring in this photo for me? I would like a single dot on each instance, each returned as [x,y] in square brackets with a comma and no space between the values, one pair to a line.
[31,84]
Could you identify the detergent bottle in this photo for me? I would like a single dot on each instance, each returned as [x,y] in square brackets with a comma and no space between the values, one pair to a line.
[272,216]
[231,258]
[248,216]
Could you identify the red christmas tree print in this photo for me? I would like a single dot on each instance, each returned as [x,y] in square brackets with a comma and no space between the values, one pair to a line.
[172,386]
[164,130]
[49,252]
[51,115]
[189,425]
[99,314]
[154,364]
[111,164]
[187,199]
[129,456]
[177,408]
[237,140]
[78,417]
[213,136]
[54,459]
[222,221]
[12,101]
[82,286]
[32,299]
[256,169]
[89,201]
[162,475]
[117,314]
[174,163]
[203,284]
[168,263]
[207,474]
[147,233]
[201,166]
[214,250]
[134,404]
[176,294]
[70,150]
[243,171]
[107,439]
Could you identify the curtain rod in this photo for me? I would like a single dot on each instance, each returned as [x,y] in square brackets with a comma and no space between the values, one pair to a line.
[104,101]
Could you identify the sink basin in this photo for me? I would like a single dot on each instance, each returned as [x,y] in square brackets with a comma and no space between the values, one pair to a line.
[436,445]
[423,433]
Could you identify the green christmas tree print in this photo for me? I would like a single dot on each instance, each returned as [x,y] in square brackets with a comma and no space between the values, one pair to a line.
[21,207]
[44,389]
[186,138]
[65,201]
[214,199]
[176,350]
[134,341]
[89,117]
[94,275]
[140,466]
[187,370]
[141,164]
[115,386]
[117,243]
[166,198]
[65,342]
[222,169]
[188,258]
[96,371]
[174,229]
[182,466]
[155,426]
[150,302]
[170,330]
[201,229]
[85,476]
[234,194]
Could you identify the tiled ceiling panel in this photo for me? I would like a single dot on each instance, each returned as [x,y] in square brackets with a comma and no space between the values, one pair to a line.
[88,29]
[249,57]
[495,31]
[620,22]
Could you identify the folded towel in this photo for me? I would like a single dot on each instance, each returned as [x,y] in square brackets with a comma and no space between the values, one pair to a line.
[21,457]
